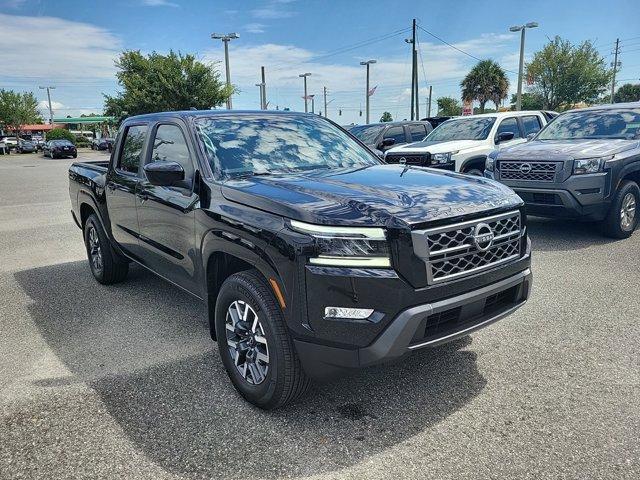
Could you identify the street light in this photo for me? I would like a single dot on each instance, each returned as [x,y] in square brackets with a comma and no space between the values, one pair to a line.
[261,86]
[49,99]
[225,39]
[367,63]
[521,29]
[304,76]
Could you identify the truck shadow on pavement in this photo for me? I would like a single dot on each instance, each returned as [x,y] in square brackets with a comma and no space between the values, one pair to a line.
[144,347]
[557,235]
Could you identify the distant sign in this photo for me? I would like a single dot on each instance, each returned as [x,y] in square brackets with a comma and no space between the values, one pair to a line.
[467,108]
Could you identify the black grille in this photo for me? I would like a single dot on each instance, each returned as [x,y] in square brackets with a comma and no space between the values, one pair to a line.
[528,171]
[540,197]
[452,251]
[420,159]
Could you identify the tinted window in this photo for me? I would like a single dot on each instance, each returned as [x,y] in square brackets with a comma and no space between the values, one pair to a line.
[277,143]
[621,123]
[132,148]
[366,133]
[417,132]
[397,133]
[509,125]
[170,145]
[463,129]
[531,124]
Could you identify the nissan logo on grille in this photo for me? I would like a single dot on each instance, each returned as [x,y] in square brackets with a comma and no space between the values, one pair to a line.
[483,237]
[525,168]
[403,160]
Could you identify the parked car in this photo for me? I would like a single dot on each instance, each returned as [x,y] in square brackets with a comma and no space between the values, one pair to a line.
[59,148]
[585,164]
[312,255]
[383,136]
[3,147]
[10,142]
[101,143]
[38,141]
[463,143]
[25,146]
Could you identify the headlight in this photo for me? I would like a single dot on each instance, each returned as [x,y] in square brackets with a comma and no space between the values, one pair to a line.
[440,158]
[490,162]
[347,246]
[588,165]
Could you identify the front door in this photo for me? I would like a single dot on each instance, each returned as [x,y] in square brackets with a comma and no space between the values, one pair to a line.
[121,185]
[166,214]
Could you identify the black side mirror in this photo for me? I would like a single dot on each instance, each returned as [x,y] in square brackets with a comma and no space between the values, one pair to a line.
[504,137]
[164,174]
[387,142]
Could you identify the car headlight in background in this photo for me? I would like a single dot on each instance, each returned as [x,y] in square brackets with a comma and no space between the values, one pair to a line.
[347,246]
[589,165]
[440,158]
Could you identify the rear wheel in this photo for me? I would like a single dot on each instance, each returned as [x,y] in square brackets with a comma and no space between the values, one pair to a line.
[622,218]
[254,343]
[107,266]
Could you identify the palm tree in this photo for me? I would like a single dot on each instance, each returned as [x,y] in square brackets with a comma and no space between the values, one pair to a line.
[485,82]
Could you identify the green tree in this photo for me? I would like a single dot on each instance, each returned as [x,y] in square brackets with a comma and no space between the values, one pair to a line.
[156,83]
[448,107]
[530,101]
[563,74]
[485,82]
[386,117]
[17,109]
[627,93]
[61,134]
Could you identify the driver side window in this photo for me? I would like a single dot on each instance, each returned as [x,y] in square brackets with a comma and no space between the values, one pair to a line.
[169,145]
[509,125]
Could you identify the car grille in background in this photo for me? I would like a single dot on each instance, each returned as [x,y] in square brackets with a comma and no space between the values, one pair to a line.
[529,171]
[420,159]
[451,252]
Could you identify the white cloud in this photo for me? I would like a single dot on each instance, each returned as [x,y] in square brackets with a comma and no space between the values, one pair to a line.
[159,3]
[274,9]
[254,28]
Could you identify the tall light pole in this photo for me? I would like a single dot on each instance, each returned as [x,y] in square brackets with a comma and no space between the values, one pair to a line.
[521,29]
[226,38]
[367,63]
[261,86]
[304,76]
[49,99]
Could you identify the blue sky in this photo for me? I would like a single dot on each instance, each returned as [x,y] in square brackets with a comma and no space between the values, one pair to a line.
[72,44]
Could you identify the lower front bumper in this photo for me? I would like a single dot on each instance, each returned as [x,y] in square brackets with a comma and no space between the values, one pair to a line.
[422,326]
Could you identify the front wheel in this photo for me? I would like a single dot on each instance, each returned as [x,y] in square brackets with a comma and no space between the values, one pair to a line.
[254,343]
[107,266]
[622,218]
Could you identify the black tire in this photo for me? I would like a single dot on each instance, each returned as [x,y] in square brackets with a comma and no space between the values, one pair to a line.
[614,225]
[285,379]
[475,171]
[75,155]
[111,268]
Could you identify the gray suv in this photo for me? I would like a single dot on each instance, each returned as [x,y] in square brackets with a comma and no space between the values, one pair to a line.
[584,164]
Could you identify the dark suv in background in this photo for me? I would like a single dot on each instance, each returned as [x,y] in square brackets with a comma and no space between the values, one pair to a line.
[382,136]
[585,164]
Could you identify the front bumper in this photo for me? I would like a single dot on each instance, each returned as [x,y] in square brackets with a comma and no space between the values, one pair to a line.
[579,196]
[421,326]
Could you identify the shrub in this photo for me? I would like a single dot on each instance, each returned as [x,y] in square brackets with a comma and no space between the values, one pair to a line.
[81,141]
[61,134]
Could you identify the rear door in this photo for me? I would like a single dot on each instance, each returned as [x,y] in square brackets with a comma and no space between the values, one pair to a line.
[122,183]
[166,214]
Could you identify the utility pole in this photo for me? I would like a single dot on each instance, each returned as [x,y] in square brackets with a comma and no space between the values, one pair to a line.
[304,77]
[226,38]
[313,103]
[521,29]
[414,63]
[264,89]
[429,104]
[367,64]
[324,91]
[261,86]
[615,65]
[49,100]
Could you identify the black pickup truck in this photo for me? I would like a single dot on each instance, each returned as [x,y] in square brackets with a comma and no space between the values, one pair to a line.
[313,256]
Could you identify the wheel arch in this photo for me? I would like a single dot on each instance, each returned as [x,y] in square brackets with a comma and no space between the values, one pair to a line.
[471,161]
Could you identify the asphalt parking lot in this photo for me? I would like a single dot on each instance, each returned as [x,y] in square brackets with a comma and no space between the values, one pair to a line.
[124,381]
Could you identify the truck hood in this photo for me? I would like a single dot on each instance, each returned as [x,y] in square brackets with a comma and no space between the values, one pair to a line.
[437,147]
[378,195]
[566,149]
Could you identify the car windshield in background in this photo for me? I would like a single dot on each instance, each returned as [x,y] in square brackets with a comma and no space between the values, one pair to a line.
[462,129]
[267,144]
[366,133]
[623,123]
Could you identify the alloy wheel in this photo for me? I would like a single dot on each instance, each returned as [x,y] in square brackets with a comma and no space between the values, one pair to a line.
[628,211]
[95,252]
[247,342]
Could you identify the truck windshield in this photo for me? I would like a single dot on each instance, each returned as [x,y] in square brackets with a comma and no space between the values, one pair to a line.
[462,129]
[623,123]
[270,143]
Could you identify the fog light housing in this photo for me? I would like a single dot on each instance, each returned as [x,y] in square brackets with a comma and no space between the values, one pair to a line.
[348,313]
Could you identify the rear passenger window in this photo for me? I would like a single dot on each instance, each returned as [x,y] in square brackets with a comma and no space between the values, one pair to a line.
[169,145]
[531,124]
[417,132]
[132,149]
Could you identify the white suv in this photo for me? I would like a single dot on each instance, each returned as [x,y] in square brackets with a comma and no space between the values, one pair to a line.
[463,143]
